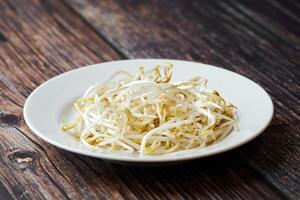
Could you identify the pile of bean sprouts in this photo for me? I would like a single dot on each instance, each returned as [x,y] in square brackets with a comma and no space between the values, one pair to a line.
[148,114]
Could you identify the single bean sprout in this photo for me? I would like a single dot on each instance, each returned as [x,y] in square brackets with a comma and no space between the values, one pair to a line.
[149,114]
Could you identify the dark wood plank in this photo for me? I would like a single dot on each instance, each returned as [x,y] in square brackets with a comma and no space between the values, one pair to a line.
[42,41]
[47,173]
[257,39]
[45,38]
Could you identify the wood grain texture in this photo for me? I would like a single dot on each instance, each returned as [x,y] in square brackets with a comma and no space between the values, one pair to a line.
[40,39]
[259,40]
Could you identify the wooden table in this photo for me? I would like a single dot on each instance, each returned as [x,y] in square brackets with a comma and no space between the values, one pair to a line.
[258,39]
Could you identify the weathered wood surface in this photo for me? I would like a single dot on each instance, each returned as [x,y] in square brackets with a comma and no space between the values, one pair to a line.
[40,39]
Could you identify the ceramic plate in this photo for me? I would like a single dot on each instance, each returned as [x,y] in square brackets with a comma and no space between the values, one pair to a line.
[52,101]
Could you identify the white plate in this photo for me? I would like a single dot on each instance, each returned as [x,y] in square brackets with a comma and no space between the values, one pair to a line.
[52,101]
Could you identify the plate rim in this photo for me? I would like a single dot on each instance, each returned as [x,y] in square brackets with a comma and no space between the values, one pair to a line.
[144,159]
